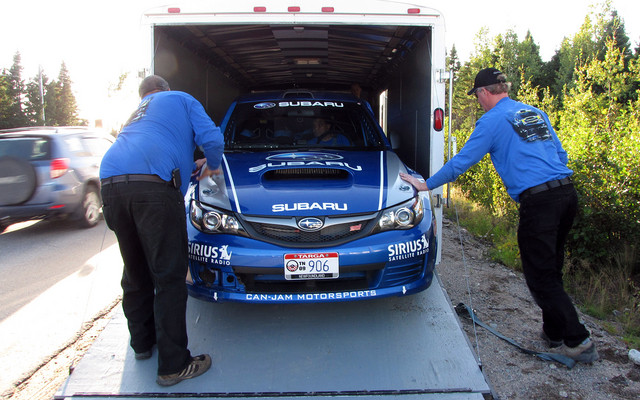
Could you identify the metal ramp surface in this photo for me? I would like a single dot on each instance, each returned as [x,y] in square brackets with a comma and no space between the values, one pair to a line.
[394,348]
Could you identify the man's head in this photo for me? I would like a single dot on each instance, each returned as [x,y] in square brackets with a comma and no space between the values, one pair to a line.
[152,83]
[320,126]
[492,79]
[490,86]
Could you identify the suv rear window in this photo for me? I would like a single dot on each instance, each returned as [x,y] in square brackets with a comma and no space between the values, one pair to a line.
[26,148]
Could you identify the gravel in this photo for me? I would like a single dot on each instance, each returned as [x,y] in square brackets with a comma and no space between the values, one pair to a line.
[501,300]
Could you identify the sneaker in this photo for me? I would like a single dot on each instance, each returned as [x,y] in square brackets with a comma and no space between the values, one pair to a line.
[585,352]
[198,366]
[145,355]
[551,343]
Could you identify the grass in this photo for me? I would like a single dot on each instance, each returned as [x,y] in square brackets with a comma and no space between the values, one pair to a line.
[499,232]
[610,293]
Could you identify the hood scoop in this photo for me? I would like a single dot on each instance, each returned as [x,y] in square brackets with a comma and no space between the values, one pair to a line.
[306,174]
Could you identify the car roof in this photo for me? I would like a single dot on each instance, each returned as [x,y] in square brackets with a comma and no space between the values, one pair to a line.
[297,94]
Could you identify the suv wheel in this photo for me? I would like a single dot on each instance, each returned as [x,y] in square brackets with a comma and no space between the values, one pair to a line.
[90,208]
[17,181]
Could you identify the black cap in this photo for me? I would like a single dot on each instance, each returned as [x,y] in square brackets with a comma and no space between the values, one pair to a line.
[486,77]
[151,83]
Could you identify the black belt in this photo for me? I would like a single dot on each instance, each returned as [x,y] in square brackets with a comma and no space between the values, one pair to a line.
[132,178]
[546,186]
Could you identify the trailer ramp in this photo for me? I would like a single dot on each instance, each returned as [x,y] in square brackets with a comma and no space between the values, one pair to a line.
[394,348]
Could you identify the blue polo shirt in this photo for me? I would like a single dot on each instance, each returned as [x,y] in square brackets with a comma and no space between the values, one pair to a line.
[524,149]
[162,135]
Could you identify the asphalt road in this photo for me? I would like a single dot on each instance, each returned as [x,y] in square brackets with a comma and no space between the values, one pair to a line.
[54,277]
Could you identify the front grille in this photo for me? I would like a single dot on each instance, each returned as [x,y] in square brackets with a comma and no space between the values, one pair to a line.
[284,231]
[317,286]
[265,280]
[404,273]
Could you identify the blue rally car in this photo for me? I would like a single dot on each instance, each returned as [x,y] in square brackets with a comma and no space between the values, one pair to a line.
[310,207]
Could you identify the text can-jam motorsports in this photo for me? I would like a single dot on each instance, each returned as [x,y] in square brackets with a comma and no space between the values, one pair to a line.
[310,206]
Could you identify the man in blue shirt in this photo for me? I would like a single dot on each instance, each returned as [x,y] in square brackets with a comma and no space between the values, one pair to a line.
[144,178]
[529,158]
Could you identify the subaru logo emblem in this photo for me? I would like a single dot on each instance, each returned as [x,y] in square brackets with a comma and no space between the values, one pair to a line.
[310,224]
[305,156]
[264,106]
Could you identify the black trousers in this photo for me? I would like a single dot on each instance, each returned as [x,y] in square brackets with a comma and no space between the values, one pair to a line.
[545,221]
[149,221]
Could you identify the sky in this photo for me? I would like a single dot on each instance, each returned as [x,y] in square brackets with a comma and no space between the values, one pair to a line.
[98,41]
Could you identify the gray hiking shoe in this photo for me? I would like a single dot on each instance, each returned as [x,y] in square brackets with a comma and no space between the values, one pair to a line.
[198,366]
[585,352]
[551,343]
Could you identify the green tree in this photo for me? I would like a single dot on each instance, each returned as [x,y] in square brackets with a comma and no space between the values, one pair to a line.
[611,26]
[5,102]
[529,61]
[67,112]
[599,27]
[15,116]
[505,57]
[60,102]
[34,99]
[601,137]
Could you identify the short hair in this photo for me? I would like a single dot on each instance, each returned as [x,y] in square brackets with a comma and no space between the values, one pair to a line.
[501,87]
[151,83]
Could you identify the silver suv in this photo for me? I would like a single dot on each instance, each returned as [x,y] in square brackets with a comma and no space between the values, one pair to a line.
[51,171]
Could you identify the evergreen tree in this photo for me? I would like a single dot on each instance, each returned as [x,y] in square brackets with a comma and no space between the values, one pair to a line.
[67,112]
[529,61]
[505,56]
[611,26]
[34,103]
[52,103]
[15,115]
[5,101]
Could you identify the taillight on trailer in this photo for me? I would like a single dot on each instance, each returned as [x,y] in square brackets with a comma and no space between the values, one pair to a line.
[259,9]
[438,119]
[173,10]
[59,167]
[327,9]
[293,9]
[413,11]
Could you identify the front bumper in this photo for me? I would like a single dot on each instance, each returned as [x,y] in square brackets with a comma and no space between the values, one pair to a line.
[239,269]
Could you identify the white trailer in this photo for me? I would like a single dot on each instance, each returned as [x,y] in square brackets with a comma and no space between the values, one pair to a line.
[394,51]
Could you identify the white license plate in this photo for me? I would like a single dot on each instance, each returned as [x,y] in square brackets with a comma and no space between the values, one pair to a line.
[300,266]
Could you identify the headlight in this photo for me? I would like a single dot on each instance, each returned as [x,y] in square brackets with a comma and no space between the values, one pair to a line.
[211,220]
[403,216]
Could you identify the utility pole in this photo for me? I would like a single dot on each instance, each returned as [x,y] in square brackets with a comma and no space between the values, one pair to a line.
[41,94]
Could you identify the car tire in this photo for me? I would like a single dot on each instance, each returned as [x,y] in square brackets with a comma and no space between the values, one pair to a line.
[17,181]
[89,213]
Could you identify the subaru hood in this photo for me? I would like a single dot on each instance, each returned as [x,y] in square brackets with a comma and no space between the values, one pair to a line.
[306,183]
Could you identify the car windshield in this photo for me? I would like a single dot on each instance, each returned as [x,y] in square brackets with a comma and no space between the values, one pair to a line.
[302,124]
[25,148]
